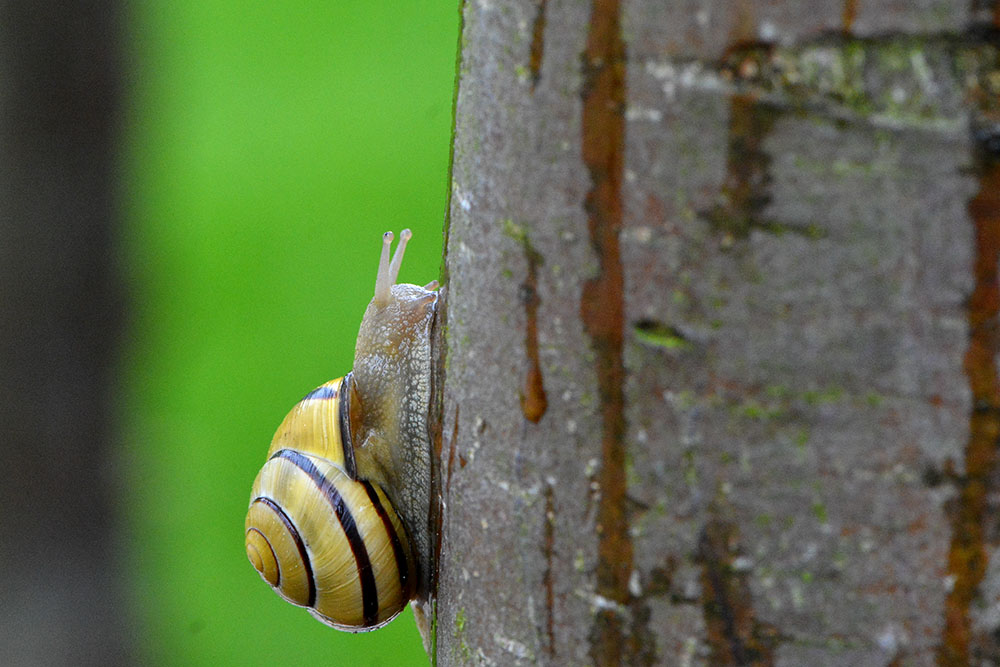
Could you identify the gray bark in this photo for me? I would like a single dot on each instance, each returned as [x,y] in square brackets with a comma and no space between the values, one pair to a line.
[719,365]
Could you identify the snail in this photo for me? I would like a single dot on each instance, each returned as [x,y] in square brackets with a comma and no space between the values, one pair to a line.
[338,516]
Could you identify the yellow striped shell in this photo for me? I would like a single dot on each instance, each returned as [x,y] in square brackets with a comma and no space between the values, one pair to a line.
[321,528]
[322,538]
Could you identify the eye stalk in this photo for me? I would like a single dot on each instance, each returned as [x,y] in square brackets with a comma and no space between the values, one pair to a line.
[388,271]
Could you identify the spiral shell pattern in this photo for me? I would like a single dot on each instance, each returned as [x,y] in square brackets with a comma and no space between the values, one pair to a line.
[322,539]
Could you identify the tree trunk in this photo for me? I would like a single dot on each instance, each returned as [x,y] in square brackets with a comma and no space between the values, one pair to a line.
[60,323]
[720,381]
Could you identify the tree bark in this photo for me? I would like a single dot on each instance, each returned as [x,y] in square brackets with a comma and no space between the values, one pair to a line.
[720,380]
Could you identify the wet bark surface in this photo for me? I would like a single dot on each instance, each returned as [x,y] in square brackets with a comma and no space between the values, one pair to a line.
[720,362]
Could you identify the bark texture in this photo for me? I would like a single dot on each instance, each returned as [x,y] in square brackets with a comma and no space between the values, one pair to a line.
[720,379]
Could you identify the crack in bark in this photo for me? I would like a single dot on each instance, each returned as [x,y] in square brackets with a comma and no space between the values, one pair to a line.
[549,548]
[537,44]
[436,519]
[733,632]
[967,556]
[602,312]
[744,192]
[451,453]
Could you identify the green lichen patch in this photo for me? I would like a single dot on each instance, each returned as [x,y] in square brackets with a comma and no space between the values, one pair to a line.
[898,80]
[515,231]
[658,334]
[823,396]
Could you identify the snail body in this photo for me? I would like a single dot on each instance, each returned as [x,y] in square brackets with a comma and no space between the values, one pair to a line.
[338,516]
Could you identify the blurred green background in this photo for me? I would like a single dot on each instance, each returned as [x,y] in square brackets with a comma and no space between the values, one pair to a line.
[268,147]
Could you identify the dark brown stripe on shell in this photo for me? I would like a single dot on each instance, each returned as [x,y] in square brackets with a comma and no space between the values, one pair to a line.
[397,544]
[299,544]
[345,427]
[369,592]
[322,393]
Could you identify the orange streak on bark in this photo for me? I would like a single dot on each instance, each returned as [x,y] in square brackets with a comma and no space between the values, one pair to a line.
[967,558]
[534,403]
[850,13]
[602,310]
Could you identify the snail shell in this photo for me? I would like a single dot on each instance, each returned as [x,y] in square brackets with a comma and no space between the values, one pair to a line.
[321,539]
[339,517]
